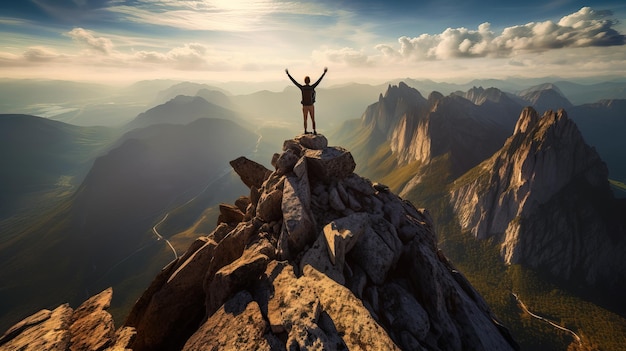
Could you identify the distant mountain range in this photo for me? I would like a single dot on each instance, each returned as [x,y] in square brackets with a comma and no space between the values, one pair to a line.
[40,155]
[96,230]
[93,104]
[152,170]
[181,110]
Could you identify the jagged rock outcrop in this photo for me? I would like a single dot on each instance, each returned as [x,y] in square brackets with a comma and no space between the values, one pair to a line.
[546,199]
[469,129]
[89,327]
[322,259]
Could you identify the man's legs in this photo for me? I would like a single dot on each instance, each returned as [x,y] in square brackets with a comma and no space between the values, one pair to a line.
[312,112]
[306,110]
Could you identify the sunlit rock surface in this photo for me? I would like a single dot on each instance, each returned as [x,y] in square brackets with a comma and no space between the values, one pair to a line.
[546,199]
[314,258]
[323,260]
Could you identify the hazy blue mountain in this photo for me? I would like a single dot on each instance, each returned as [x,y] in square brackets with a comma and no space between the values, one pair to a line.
[496,103]
[110,114]
[41,156]
[101,235]
[148,90]
[216,97]
[15,94]
[181,110]
[590,93]
[603,124]
[334,105]
[545,97]
[84,104]
[184,88]
[154,168]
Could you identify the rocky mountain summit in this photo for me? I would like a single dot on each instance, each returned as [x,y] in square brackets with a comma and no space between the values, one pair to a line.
[314,258]
[546,199]
[468,128]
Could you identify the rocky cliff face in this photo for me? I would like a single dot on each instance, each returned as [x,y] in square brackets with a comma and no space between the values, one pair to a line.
[546,199]
[314,258]
[469,128]
[396,117]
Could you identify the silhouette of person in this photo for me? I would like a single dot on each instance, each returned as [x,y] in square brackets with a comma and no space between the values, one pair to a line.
[308,98]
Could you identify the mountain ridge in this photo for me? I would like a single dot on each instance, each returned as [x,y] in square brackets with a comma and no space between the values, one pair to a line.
[43,155]
[313,257]
[102,231]
[415,130]
[181,110]
[546,159]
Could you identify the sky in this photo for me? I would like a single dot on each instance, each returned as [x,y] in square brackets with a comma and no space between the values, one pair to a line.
[366,41]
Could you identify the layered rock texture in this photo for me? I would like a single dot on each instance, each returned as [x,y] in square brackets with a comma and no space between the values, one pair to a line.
[546,199]
[89,327]
[315,258]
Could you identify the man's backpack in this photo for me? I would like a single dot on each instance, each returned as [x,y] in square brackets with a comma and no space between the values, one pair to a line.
[308,95]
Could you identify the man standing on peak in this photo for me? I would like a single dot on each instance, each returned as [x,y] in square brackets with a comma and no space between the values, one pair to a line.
[308,98]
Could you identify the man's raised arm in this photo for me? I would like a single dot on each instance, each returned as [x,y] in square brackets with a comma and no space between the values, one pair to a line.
[293,80]
[322,76]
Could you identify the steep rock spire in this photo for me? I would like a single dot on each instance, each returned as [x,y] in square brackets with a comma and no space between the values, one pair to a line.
[545,197]
[527,120]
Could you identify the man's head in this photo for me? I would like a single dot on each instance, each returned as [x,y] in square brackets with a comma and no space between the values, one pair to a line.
[307,80]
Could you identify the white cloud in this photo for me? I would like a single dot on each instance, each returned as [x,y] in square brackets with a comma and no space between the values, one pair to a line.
[585,28]
[40,54]
[31,57]
[91,41]
[191,56]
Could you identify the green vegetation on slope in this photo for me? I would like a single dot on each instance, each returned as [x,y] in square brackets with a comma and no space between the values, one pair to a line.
[480,262]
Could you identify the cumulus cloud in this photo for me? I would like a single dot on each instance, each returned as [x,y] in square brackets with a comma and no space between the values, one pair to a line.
[91,41]
[190,56]
[585,28]
[31,56]
[39,54]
